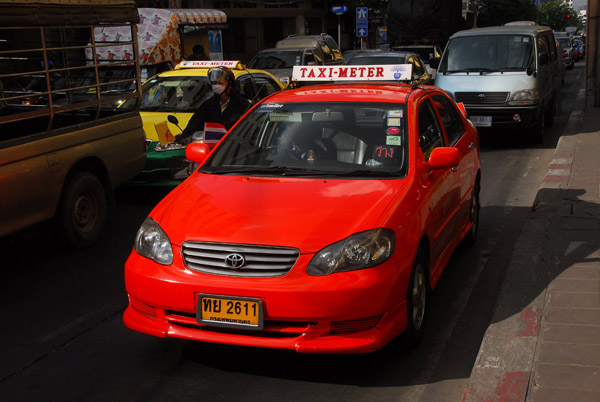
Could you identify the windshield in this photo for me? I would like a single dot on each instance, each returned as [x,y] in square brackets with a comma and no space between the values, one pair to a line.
[564,42]
[376,59]
[173,94]
[277,59]
[488,53]
[315,139]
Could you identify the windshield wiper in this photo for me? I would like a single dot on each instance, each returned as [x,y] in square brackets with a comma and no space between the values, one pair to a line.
[365,173]
[271,170]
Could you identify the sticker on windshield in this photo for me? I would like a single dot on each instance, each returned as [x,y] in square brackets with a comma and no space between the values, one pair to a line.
[393,140]
[285,116]
[270,106]
[393,131]
[393,121]
[395,113]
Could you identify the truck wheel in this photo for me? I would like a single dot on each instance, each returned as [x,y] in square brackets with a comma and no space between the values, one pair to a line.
[83,210]
[538,132]
[417,298]
[550,112]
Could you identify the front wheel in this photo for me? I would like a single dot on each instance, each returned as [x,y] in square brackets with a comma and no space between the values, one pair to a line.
[83,210]
[417,298]
[538,131]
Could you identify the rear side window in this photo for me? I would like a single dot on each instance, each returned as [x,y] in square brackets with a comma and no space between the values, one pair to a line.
[450,118]
[430,133]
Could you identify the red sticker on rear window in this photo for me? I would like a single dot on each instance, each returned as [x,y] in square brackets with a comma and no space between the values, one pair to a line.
[393,130]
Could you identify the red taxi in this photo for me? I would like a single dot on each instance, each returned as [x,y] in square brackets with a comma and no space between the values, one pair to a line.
[320,223]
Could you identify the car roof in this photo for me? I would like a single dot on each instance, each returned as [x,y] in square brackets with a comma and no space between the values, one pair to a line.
[502,30]
[382,92]
[383,55]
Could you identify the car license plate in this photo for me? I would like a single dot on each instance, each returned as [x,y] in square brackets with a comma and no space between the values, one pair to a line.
[227,311]
[481,121]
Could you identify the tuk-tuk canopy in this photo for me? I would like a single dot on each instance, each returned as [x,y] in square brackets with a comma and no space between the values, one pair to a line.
[158,34]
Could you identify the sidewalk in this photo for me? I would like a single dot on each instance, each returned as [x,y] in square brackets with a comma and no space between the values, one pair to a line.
[543,343]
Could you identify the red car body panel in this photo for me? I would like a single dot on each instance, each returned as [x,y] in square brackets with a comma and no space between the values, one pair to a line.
[345,312]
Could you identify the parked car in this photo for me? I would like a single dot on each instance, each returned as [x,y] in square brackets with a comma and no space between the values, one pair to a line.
[568,50]
[348,54]
[179,93]
[324,42]
[420,76]
[562,64]
[579,50]
[427,54]
[507,76]
[293,51]
[320,223]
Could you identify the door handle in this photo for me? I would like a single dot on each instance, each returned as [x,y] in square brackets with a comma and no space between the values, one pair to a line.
[471,145]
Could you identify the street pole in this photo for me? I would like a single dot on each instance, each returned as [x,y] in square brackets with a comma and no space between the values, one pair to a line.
[339,32]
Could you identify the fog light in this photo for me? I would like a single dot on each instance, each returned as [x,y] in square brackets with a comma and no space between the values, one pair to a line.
[517,117]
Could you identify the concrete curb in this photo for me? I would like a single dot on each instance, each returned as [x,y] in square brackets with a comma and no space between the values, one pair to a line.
[504,366]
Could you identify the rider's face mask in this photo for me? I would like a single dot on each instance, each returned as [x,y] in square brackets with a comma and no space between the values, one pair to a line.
[219,86]
[218,89]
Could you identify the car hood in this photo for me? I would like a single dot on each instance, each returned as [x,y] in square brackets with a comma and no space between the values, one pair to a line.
[150,119]
[295,212]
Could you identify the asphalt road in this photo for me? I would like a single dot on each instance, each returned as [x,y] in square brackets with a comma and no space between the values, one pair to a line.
[63,338]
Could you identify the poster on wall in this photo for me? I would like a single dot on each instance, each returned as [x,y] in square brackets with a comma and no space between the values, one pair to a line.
[215,44]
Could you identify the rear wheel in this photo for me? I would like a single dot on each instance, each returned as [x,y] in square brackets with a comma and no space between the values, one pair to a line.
[471,236]
[83,210]
[417,298]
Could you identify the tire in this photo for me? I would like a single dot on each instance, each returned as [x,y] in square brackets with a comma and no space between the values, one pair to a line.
[471,236]
[538,132]
[550,113]
[83,210]
[417,299]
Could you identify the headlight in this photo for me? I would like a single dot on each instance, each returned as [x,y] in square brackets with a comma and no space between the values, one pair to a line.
[359,251]
[151,242]
[525,97]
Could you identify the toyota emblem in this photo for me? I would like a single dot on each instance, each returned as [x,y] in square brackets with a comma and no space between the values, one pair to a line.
[235,261]
[481,97]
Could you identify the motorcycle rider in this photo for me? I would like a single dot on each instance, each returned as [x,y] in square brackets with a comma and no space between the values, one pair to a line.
[226,106]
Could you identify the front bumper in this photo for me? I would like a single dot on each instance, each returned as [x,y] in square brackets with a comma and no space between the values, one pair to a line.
[352,312]
[504,117]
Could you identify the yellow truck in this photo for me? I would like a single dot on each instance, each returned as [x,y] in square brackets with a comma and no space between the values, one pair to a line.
[62,154]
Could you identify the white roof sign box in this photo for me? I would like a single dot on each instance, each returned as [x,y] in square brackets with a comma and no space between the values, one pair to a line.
[396,72]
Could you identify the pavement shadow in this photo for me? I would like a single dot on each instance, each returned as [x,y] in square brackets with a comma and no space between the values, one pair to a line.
[562,231]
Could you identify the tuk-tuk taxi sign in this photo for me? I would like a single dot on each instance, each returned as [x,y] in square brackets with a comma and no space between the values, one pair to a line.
[236,64]
[396,72]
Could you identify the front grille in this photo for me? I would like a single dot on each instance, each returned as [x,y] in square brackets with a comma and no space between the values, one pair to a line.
[486,98]
[271,328]
[258,261]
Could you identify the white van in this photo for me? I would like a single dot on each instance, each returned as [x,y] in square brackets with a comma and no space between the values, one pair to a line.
[507,76]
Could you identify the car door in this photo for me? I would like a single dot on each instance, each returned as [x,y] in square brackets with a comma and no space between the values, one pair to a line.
[459,138]
[442,186]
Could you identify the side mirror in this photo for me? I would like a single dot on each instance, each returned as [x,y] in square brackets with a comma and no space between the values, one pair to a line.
[543,58]
[197,152]
[434,62]
[172,119]
[443,158]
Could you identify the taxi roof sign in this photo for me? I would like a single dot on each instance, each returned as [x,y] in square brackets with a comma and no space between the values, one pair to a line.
[235,64]
[395,72]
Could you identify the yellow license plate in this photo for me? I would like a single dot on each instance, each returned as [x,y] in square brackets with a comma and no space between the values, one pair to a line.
[226,311]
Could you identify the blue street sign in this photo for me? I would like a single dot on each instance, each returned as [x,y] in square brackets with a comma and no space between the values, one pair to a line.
[362,29]
[339,9]
[362,13]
